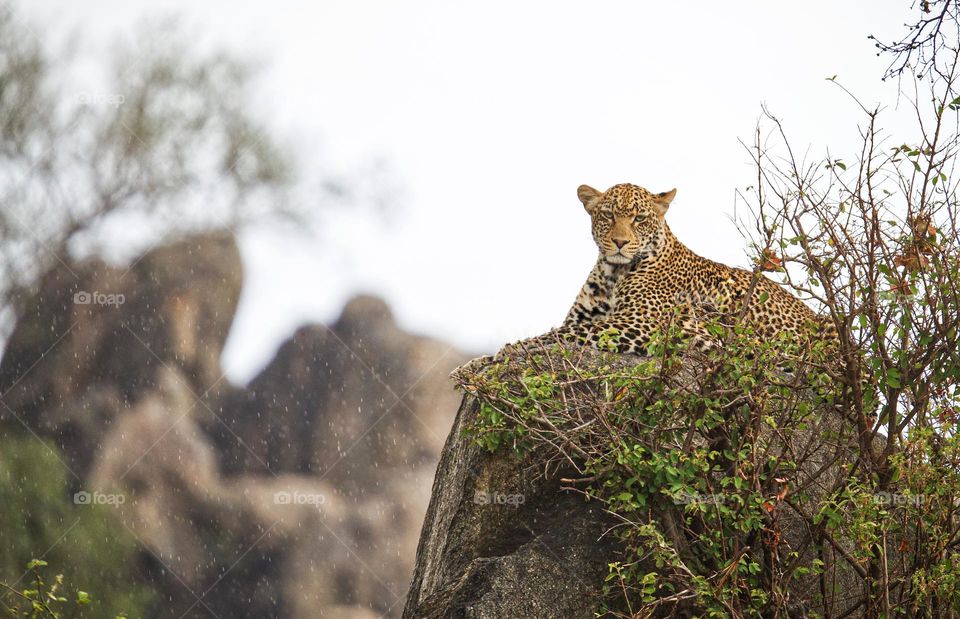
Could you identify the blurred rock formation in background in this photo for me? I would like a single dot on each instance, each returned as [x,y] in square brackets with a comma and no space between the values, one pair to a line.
[299,495]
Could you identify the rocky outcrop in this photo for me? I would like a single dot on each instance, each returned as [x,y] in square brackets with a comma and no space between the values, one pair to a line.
[300,495]
[504,537]
[501,539]
[344,400]
[95,335]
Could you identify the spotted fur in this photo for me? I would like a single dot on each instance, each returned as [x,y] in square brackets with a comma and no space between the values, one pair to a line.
[645,276]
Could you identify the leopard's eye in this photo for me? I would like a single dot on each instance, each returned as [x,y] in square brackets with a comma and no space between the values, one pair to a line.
[638,219]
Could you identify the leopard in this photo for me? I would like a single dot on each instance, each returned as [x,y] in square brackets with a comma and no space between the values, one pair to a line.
[645,277]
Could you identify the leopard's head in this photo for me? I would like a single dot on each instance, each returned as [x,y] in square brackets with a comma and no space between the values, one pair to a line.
[627,220]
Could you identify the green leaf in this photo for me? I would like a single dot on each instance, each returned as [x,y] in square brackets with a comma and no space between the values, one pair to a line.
[893,378]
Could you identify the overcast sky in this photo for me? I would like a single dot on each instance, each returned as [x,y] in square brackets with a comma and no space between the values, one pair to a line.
[489,115]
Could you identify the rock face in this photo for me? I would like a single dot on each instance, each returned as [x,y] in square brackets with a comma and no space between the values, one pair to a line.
[503,538]
[500,540]
[328,386]
[300,495]
[94,337]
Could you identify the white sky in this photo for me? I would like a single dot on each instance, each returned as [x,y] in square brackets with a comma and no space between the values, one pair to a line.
[490,114]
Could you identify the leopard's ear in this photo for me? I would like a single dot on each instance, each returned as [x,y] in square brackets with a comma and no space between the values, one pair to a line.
[588,195]
[663,200]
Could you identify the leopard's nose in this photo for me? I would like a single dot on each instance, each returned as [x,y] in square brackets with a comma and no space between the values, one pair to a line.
[620,243]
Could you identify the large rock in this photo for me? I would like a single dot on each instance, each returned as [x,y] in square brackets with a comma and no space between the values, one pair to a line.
[345,400]
[94,336]
[500,539]
[332,554]
[503,537]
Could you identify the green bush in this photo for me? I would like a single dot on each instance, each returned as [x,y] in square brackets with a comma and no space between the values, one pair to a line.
[39,519]
[739,480]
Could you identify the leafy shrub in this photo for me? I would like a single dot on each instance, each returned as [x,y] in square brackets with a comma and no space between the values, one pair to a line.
[38,518]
